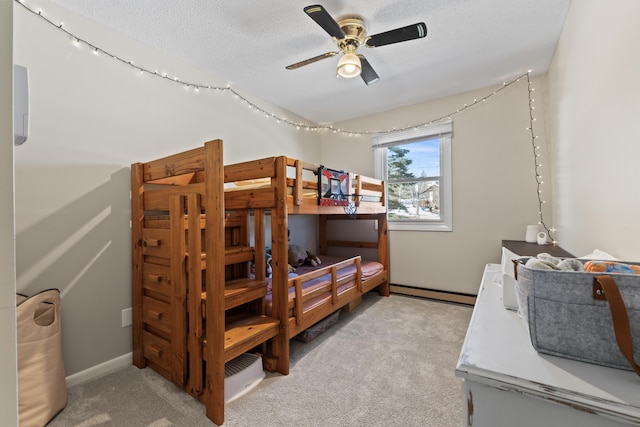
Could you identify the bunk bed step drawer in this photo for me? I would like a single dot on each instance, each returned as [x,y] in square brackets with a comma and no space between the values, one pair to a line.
[238,292]
[156,242]
[238,254]
[157,350]
[156,281]
[234,255]
[242,291]
[157,314]
[245,332]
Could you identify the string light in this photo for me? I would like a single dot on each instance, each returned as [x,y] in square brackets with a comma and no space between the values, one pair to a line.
[536,156]
[78,41]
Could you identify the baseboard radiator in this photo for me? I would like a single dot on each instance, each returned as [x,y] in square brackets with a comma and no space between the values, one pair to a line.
[434,294]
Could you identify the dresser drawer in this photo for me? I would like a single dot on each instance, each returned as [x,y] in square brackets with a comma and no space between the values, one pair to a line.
[156,242]
[157,350]
[157,315]
[156,281]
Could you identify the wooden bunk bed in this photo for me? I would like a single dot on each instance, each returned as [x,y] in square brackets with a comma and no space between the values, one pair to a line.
[196,303]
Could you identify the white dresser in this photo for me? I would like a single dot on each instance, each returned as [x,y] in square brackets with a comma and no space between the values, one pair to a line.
[508,384]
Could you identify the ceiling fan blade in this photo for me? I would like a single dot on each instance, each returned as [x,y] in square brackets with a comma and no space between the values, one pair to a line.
[410,32]
[368,74]
[322,18]
[311,60]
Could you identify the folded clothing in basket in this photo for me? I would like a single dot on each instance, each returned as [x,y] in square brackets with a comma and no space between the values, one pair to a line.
[545,261]
[611,267]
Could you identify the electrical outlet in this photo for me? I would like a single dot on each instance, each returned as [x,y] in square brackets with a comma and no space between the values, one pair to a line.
[127,318]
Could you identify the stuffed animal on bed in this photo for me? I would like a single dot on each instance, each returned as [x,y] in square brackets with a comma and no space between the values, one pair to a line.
[298,256]
[268,268]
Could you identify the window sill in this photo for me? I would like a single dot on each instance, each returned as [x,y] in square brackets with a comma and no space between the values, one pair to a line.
[418,226]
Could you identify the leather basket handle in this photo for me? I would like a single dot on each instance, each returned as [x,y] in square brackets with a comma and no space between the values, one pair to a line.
[605,288]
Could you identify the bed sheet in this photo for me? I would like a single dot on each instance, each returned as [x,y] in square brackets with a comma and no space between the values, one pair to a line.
[252,184]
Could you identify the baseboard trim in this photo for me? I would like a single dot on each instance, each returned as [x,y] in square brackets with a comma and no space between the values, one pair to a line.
[434,294]
[99,370]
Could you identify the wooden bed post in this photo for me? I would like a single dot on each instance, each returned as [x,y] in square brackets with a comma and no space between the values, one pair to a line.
[383,252]
[178,290]
[215,281]
[279,281]
[322,235]
[137,219]
[194,304]
[260,245]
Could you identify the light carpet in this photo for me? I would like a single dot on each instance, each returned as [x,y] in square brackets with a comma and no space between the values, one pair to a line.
[390,362]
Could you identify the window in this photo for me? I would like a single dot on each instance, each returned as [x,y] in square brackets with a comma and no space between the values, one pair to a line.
[416,164]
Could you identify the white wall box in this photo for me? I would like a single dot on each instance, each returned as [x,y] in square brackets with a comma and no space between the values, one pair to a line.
[20,104]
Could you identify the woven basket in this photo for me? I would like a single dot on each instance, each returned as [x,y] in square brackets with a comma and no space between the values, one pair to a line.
[42,388]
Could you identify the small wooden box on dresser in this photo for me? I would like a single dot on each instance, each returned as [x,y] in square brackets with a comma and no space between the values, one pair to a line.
[506,383]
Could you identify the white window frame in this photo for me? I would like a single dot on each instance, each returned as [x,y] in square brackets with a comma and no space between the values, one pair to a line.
[443,131]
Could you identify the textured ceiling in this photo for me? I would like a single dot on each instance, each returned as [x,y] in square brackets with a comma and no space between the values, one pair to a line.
[247,44]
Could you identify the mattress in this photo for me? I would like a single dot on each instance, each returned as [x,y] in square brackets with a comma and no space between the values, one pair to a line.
[253,184]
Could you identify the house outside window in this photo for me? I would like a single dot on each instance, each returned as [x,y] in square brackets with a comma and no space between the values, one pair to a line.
[416,165]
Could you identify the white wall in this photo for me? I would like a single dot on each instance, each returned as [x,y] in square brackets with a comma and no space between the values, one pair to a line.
[594,109]
[91,117]
[494,186]
[8,379]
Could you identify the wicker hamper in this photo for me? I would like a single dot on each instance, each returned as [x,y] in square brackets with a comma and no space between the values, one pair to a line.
[591,317]
[42,388]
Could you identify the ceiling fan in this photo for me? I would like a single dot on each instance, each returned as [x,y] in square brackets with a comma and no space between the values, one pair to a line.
[349,33]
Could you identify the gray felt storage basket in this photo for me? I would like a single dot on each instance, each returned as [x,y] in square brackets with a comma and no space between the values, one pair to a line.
[565,318]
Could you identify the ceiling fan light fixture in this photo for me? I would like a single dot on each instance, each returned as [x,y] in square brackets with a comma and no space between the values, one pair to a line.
[349,66]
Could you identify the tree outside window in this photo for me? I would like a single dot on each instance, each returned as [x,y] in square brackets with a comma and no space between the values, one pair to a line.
[417,171]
